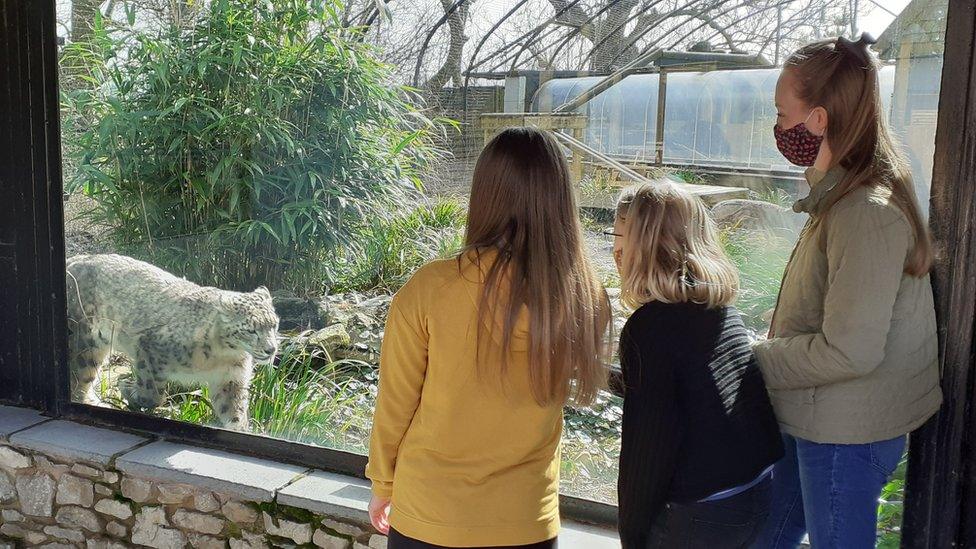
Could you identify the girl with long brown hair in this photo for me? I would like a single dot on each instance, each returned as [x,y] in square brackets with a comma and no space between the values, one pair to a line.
[851,359]
[479,357]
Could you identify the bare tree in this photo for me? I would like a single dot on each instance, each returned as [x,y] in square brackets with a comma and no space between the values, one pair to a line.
[450,68]
[83,14]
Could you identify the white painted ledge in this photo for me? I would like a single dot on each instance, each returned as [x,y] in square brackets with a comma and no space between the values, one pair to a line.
[247,478]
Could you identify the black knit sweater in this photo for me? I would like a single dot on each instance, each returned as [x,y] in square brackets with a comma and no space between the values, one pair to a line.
[697,418]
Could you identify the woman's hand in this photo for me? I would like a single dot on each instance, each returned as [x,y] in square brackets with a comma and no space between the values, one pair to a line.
[379,514]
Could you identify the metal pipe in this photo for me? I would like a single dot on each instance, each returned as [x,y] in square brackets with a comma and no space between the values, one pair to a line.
[607,82]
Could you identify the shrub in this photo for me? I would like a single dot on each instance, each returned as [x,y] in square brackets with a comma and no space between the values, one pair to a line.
[246,149]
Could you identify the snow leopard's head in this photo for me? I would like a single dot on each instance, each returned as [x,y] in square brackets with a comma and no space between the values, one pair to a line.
[249,323]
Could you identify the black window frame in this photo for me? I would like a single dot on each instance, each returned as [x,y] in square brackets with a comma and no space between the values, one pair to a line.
[941,492]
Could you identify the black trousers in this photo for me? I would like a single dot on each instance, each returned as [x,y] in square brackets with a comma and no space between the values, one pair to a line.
[730,523]
[399,541]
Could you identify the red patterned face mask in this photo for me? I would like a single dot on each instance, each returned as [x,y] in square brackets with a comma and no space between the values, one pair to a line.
[798,144]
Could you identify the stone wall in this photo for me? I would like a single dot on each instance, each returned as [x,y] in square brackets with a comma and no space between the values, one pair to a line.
[54,504]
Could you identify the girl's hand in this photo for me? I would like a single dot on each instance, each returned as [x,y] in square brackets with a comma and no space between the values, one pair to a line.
[379,514]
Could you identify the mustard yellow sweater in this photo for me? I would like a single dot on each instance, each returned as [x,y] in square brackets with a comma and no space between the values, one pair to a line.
[468,460]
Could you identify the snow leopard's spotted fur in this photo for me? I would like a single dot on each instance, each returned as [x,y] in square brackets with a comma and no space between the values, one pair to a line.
[172,330]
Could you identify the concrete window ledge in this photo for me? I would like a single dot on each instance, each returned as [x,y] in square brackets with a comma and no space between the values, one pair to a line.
[64,484]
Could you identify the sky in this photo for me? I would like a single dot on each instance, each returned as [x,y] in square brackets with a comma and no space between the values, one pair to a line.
[877,20]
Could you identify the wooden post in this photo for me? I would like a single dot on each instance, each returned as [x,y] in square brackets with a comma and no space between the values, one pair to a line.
[940,510]
[577,167]
[662,96]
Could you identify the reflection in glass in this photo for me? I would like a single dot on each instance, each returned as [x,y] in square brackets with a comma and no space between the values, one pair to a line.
[267,180]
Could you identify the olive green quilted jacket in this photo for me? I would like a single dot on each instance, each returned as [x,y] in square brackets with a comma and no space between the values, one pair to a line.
[852,356]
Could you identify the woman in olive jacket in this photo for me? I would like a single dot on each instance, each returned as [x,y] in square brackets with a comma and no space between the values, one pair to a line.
[851,360]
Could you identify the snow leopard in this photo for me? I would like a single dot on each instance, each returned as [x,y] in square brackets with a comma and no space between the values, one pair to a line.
[172,330]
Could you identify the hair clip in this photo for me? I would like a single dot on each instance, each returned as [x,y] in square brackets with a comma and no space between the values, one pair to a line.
[859,48]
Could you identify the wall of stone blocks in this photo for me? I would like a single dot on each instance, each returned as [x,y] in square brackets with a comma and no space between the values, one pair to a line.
[51,503]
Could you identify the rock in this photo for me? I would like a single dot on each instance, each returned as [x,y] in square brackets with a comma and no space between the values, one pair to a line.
[343,528]
[111,507]
[377,541]
[65,533]
[36,493]
[10,515]
[238,512]
[78,517]
[74,490]
[35,539]
[49,466]
[12,459]
[755,215]
[205,502]
[295,531]
[86,471]
[364,319]
[12,530]
[103,490]
[151,529]
[199,541]
[331,338]
[297,313]
[197,522]
[55,546]
[137,490]
[111,477]
[116,529]
[104,544]
[249,541]
[7,489]
[327,541]
[173,493]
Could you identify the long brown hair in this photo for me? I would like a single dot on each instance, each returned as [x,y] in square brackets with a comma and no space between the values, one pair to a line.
[842,77]
[523,211]
[671,249]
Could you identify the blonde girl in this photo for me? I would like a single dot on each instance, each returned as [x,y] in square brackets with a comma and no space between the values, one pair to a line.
[480,355]
[699,435]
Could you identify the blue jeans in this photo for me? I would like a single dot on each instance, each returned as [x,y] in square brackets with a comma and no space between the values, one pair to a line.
[829,491]
[728,523]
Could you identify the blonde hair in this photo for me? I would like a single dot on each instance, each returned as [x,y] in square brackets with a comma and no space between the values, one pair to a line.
[842,77]
[523,206]
[671,250]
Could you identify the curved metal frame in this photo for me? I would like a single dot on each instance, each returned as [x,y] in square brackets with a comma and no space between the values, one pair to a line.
[631,41]
[573,32]
[615,29]
[705,23]
[512,43]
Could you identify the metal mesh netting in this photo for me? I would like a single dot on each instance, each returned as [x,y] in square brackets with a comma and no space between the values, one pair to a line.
[457,53]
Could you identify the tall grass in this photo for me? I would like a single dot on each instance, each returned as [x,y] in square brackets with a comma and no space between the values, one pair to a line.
[761,259]
[305,397]
[394,248]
